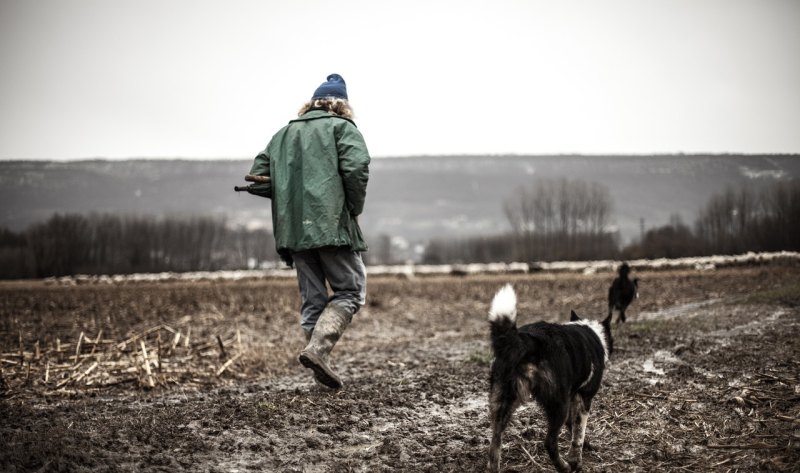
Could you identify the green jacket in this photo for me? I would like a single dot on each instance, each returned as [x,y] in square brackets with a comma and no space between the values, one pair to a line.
[319,165]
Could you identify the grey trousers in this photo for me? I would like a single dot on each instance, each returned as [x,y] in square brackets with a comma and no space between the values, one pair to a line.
[342,268]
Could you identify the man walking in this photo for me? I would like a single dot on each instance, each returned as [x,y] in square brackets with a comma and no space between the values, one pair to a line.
[318,166]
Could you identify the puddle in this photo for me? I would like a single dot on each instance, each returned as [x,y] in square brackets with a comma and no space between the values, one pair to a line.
[649,367]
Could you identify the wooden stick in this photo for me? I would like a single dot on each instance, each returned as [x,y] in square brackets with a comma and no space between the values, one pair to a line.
[11,354]
[221,348]
[776,378]
[665,398]
[91,368]
[748,446]
[252,178]
[78,347]
[788,419]
[121,381]
[175,341]
[228,363]
[122,344]
[150,382]
[158,366]
[168,328]
[670,396]
[721,463]
[64,382]
[533,462]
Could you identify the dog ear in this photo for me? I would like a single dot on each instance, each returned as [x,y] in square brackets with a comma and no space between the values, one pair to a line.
[573,316]
[607,322]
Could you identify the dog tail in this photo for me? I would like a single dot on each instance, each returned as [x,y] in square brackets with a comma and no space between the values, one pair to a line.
[503,320]
[504,306]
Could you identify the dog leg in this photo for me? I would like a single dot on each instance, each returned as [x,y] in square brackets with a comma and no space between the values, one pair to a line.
[570,419]
[555,420]
[581,413]
[611,312]
[622,315]
[501,408]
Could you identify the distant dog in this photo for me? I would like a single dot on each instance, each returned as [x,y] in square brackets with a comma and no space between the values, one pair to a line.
[559,365]
[622,292]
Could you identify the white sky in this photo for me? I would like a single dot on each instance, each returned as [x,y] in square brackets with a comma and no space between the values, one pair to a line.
[203,79]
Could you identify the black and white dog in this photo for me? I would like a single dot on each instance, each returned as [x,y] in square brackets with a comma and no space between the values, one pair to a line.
[559,365]
[622,292]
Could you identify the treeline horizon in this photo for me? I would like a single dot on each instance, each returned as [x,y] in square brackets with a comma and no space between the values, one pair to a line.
[566,221]
[71,244]
[551,220]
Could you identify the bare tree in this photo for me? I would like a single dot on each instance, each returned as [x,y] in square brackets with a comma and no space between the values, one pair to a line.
[112,244]
[559,219]
[747,220]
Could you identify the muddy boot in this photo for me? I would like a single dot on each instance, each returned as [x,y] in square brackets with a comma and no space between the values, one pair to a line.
[307,334]
[329,328]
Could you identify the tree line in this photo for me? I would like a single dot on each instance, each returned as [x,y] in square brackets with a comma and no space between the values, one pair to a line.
[732,222]
[550,220]
[113,244]
[562,220]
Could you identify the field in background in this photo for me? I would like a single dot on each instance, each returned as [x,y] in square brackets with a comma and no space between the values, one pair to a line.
[201,375]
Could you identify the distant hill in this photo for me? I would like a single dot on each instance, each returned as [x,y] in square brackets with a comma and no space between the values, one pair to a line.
[415,198]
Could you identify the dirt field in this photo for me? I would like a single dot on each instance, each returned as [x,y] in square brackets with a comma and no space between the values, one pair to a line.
[203,377]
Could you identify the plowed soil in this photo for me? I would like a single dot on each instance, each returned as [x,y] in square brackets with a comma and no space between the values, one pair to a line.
[705,376]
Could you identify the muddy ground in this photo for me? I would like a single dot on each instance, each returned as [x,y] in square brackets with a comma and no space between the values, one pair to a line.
[705,376]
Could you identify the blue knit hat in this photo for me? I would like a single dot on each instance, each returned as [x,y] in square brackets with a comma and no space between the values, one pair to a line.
[333,87]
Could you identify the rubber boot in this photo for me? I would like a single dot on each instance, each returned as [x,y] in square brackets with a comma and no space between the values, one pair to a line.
[330,327]
[307,334]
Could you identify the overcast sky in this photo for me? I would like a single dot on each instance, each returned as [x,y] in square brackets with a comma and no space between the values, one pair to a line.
[208,79]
